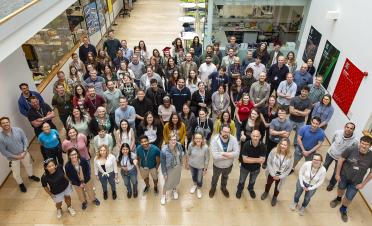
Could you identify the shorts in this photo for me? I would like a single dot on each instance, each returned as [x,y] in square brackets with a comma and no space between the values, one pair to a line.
[350,188]
[145,173]
[61,196]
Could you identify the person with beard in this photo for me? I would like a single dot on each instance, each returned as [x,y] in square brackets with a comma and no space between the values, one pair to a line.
[142,105]
[206,68]
[24,102]
[155,94]
[40,113]
[209,52]
[93,101]
[180,94]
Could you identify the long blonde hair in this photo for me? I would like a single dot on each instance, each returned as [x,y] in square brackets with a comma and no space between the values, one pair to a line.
[288,151]
[98,154]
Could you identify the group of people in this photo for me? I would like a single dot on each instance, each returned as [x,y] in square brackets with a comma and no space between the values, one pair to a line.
[136,112]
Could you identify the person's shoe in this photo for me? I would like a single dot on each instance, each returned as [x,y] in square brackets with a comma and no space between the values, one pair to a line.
[193,189]
[34,178]
[264,166]
[301,211]
[344,216]
[274,200]
[59,213]
[71,211]
[163,199]
[264,195]
[146,189]
[238,194]
[129,195]
[156,190]
[114,196]
[198,193]
[330,187]
[211,192]
[135,194]
[292,171]
[293,206]
[105,196]
[97,202]
[225,192]
[23,188]
[334,203]
[84,205]
[252,194]
[175,194]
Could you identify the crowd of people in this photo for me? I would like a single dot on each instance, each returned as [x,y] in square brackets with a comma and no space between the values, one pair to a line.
[128,111]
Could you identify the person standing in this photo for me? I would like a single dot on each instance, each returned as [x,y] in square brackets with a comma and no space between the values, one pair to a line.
[310,177]
[78,141]
[24,102]
[111,45]
[342,139]
[62,100]
[50,144]
[112,96]
[142,105]
[138,68]
[86,48]
[352,174]
[40,113]
[224,149]
[274,55]
[180,94]
[171,159]
[257,67]
[206,68]
[13,146]
[251,157]
[93,101]
[286,92]
[148,156]
[125,111]
[260,91]
[127,161]
[302,78]
[277,73]
[96,81]
[155,94]
[187,66]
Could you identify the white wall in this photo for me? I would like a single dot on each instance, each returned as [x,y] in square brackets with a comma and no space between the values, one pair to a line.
[351,35]
[13,71]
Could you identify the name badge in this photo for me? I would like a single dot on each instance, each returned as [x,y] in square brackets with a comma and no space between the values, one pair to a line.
[355,167]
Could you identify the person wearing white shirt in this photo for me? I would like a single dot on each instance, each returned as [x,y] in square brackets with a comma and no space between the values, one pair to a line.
[257,67]
[206,68]
[286,91]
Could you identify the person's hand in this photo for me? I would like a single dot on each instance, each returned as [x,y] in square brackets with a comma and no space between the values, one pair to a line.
[338,178]
[204,171]
[305,153]
[82,185]
[97,177]
[359,186]
[135,162]
[187,167]
[306,189]
[243,138]
[285,133]
[262,160]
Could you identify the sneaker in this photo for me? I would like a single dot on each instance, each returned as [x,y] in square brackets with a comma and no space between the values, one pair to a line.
[84,205]
[146,189]
[163,199]
[193,189]
[238,194]
[156,190]
[198,193]
[175,194]
[129,195]
[105,196]
[97,202]
[344,216]
[211,192]
[59,213]
[225,192]
[301,211]
[293,206]
[334,203]
[34,178]
[71,211]
[114,196]
[23,188]
[264,195]
[135,194]
[330,187]
[274,200]
[252,194]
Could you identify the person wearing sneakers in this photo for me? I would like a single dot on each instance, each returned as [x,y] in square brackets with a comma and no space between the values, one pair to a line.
[197,160]
[251,157]
[148,156]
[13,146]
[279,165]
[78,172]
[311,176]
[55,183]
[351,174]
[342,139]
[171,157]
[224,149]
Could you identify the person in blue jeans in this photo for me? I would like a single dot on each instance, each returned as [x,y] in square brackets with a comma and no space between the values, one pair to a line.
[128,169]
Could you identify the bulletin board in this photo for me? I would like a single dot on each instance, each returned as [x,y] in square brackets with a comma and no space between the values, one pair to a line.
[347,86]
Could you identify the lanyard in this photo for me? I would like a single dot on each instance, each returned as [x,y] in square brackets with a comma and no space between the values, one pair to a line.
[281,161]
[146,153]
[40,112]
[312,177]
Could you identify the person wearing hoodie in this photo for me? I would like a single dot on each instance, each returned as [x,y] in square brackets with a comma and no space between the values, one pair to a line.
[342,139]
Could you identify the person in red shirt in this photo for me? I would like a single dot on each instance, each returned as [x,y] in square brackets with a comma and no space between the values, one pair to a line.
[242,112]
[93,101]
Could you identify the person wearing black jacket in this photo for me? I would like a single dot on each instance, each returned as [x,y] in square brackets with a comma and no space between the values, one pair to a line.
[78,172]
[201,98]
[152,128]
[203,124]
[277,73]
[142,105]
[85,49]
[155,94]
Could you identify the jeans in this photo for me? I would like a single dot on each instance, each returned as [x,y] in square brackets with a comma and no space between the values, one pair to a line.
[243,176]
[197,176]
[63,119]
[298,193]
[216,175]
[130,180]
[296,126]
[327,162]
[238,127]
[107,179]
[54,153]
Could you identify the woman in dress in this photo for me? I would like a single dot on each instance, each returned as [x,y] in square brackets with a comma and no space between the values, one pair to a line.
[171,158]
[225,119]
[106,170]
[101,118]
[324,110]
[291,62]
[79,97]
[192,81]
[279,165]
[175,126]
[50,144]
[128,169]
[243,110]
[103,138]
[79,121]
[78,141]
[188,118]
[152,128]
[55,183]
[220,101]
[201,98]
[165,110]
[78,172]
[124,134]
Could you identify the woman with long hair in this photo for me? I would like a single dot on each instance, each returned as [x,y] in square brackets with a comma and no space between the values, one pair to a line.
[220,101]
[143,49]
[78,172]
[242,112]
[75,76]
[77,63]
[268,113]
[125,134]
[106,170]
[152,128]
[188,118]
[172,81]
[55,183]
[252,123]
[291,62]
[79,121]
[236,93]
[171,158]
[79,97]
[170,68]
[203,124]
[128,169]
[324,110]
[103,59]
[156,67]
[128,87]
[197,46]
[101,118]
[224,120]
[156,55]
[108,75]
[91,60]
[123,70]
[175,126]
[78,141]
[201,98]
[279,165]
[50,144]
[192,81]
[197,160]
[177,46]
[261,52]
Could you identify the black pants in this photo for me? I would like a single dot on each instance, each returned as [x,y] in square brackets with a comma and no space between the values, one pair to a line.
[54,153]
[269,145]
[216,175]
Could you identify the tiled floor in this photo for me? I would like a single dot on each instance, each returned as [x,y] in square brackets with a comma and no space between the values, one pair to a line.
[155,21]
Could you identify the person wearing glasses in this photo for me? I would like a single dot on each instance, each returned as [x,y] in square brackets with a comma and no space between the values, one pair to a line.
[56,184]
[311,176]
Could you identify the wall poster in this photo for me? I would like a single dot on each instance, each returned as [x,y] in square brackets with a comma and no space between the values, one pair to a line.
[347,86]
[327,63]
[91,18]
[312,44]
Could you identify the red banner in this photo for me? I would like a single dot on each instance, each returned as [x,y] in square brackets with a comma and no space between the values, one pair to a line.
[347,86]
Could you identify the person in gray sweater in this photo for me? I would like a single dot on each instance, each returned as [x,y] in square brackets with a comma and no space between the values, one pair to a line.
[197,160]
[224,149]
[146,78]
[138,69]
